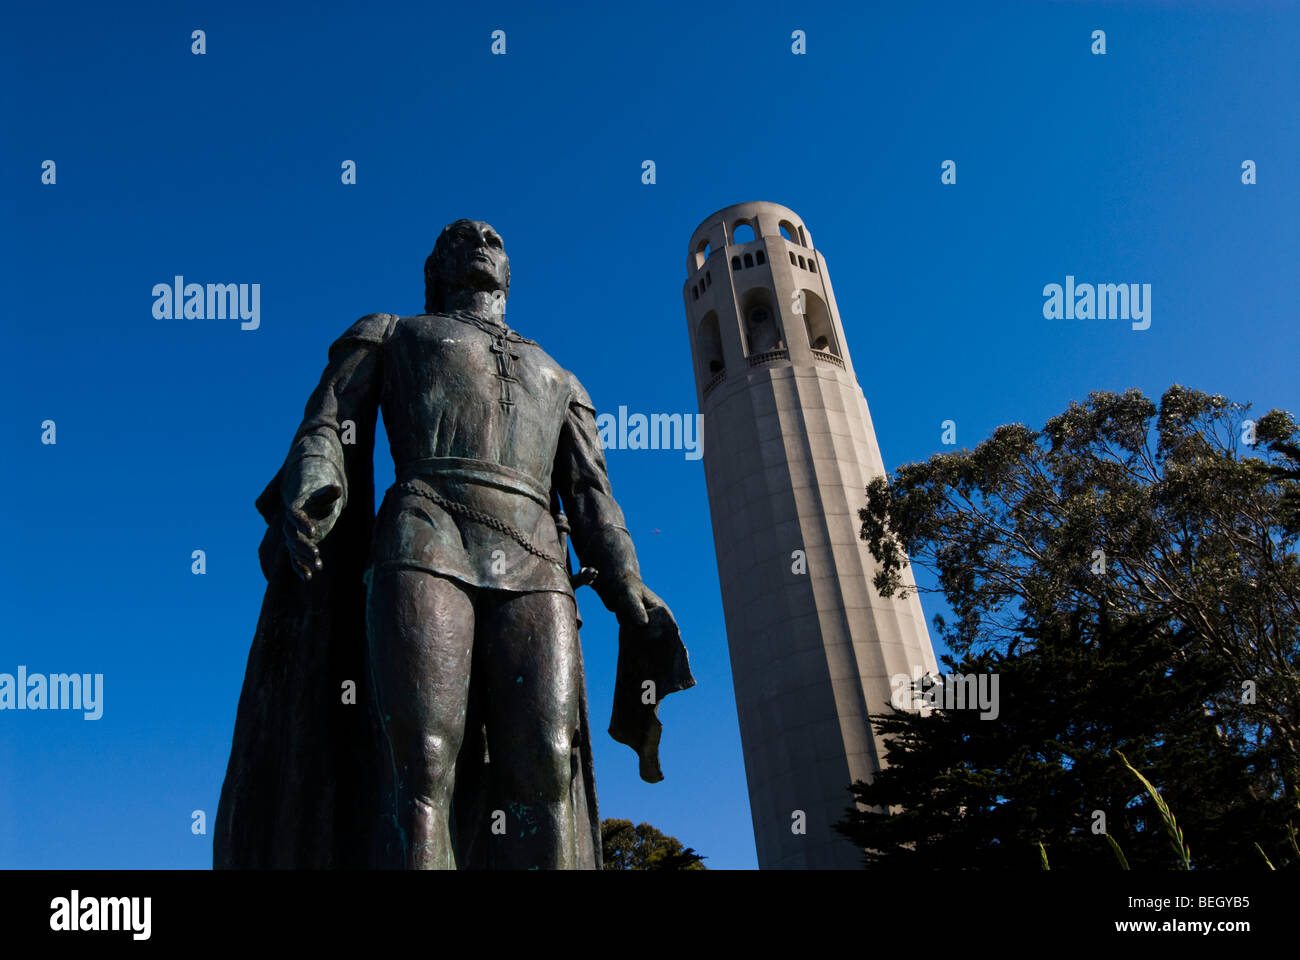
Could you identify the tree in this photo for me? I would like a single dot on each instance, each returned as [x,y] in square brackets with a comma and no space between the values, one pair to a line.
[1133,578]
[960,791]
[642,847]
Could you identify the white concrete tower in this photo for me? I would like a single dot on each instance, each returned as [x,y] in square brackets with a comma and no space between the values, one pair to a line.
[788,451]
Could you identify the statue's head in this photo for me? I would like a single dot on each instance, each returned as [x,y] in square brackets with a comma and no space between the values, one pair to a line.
[468,255]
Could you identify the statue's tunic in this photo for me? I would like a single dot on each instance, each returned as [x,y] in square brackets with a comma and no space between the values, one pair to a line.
[485,430]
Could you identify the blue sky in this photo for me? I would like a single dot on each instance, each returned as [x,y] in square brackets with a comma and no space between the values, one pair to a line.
[225,167]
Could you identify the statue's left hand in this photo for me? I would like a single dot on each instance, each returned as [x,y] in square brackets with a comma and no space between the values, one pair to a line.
[636,605]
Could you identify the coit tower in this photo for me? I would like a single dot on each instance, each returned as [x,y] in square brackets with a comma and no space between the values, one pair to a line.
[789,450]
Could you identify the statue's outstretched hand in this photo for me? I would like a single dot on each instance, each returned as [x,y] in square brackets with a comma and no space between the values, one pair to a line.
[312,508]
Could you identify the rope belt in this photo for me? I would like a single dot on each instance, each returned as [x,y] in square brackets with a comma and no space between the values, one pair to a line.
[478,516]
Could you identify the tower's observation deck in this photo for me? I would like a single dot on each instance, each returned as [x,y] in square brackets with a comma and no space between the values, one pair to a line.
[790,449]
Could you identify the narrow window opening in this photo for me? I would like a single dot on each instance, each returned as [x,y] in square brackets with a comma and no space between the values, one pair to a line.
[710,344]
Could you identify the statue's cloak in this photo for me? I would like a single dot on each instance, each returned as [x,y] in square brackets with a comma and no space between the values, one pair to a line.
[303,784]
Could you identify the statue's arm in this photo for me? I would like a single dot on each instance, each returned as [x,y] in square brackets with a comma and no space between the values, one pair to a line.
[600,535]
[315,483]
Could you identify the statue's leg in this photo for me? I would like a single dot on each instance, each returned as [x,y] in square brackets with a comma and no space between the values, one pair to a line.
[532,666]
[421,642]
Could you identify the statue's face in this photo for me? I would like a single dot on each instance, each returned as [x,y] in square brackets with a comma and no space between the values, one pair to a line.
[475,258]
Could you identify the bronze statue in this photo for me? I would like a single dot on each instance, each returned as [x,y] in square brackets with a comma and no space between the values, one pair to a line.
[451,614]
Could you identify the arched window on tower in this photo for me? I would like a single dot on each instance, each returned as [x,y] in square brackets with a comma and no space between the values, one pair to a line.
[735,263]
[702,253]
[741,232]
[759,257]
[817,322]
[749,260]
[789,231]
[762,325]
[709,346]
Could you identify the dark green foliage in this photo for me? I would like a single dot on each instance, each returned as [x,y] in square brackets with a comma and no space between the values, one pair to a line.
[1125,572]
[642,847]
